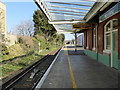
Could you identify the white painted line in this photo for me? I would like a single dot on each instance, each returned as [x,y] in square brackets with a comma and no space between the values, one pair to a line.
[46,73]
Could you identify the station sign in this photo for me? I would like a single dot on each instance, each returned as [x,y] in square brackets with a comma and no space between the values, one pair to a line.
[115,9]
[82,26]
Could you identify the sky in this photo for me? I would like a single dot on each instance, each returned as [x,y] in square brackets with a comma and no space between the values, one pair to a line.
[69,36]
[17,12]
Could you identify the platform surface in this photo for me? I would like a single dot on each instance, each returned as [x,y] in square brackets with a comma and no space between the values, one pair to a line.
[85,72]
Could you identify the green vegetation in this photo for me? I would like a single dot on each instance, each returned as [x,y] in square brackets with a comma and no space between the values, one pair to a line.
[43,28]
[4,50]
[26,49]
[20,63]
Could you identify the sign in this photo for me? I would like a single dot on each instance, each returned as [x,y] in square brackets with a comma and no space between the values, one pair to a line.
[110,12]
[82,26]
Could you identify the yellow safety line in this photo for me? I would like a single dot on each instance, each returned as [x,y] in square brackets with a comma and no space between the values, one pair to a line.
[71,72]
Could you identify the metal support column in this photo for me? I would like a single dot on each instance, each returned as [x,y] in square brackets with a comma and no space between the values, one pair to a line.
[75,41]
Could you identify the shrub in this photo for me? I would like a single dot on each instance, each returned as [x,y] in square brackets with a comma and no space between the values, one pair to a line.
[4,50]
[20,40]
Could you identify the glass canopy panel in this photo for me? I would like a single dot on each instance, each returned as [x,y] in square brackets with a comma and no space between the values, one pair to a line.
[64,27]
[60,10]
[69,8]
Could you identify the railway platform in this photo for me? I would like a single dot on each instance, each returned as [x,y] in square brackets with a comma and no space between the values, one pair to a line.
[76,70]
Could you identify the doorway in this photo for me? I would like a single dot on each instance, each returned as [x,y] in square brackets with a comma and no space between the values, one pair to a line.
[115,49]
[111,41]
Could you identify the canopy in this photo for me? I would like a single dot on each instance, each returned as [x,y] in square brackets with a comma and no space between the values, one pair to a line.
[63,13]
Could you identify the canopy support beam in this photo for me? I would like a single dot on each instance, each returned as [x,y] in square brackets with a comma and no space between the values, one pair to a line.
[72,4]
[66,21]
[67,11]
[68,7]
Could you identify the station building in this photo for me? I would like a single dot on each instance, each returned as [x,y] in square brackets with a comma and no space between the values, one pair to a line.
[102,41]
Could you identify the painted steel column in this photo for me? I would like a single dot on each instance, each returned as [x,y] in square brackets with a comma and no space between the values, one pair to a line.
[119,38]
[75,41]
[97,41]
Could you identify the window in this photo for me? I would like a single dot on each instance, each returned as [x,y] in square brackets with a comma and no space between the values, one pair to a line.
[111,26]
[108,36]
[115,24]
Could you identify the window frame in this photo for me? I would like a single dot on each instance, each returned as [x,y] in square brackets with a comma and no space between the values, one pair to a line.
[110,32]
[94,38]
[87,37]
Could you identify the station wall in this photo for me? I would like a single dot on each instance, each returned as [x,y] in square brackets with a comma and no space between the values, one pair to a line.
[99,53]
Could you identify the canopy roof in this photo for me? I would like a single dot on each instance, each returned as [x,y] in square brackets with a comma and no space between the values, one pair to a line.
[62,13]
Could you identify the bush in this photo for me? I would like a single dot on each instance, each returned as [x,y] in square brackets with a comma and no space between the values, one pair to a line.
[4,50]
[20,40]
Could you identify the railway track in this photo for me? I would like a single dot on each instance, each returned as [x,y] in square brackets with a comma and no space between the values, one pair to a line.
[12,59]
[29,78]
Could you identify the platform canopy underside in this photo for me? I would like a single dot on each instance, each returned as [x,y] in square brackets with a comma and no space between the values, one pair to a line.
[63,13]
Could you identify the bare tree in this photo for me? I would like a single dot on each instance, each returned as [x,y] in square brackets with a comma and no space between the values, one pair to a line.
[25,28]
[29,28]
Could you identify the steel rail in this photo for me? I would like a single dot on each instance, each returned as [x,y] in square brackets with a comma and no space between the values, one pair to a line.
[33,87]
[12,81]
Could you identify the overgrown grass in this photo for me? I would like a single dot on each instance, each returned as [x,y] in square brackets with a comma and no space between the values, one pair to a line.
[20,63]
[14,51]
[19,53]
[45,51]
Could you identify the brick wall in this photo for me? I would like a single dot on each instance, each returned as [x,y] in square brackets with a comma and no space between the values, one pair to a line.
[100,38]
[90,40]
[101,34]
